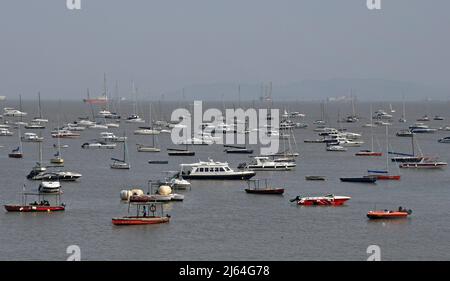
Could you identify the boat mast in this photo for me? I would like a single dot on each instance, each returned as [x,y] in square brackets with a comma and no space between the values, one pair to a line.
[39,105]
[387,148]
[371,126]
[20,139]
[20,108]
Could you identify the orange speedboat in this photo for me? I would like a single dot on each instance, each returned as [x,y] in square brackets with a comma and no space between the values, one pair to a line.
[386,214]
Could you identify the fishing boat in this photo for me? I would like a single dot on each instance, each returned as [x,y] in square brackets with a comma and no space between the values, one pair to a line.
[386,214]
[41,205]
[315,178]
[261,186]
[425,163]
[212,170]
[119,163]
[146,213]
[364,179]
[264,163]
[327,200]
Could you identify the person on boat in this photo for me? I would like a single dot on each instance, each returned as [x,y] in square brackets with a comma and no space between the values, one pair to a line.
[144,211]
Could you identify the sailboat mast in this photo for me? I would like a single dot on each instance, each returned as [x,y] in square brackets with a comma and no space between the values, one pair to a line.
[371,126]
[387,148]
[39,105]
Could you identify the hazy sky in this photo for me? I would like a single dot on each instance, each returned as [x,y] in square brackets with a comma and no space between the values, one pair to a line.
[167,44]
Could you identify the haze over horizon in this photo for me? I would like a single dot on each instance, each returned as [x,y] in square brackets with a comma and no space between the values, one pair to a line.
[308,49]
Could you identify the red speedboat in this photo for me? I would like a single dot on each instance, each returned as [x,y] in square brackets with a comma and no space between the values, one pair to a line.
[368,153]
[327,200]
[385,214]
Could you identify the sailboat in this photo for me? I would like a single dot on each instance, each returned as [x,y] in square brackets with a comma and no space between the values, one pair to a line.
[134,118]
[147,130]
[405,157]
[148,148]
[384,175]
[17,153]
[58,159]
[121,164]
[369,152]
[403,118]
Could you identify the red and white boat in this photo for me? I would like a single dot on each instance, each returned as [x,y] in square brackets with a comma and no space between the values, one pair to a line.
[42,205]
[327,200]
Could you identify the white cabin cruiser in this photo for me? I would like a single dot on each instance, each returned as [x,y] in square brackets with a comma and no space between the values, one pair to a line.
[264,163]
[31,137]
[213,171]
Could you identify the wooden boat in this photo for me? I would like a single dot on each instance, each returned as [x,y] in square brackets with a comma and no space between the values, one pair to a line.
[256,187]
[327,200]
[146,213]
[315,178]
[385,214]
[364,179]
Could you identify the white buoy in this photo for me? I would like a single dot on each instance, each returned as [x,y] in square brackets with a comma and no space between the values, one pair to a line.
[125,194]
[164,190]
[137,192]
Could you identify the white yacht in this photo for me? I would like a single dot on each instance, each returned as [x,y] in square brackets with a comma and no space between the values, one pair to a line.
[98,144]
[110,137]
[213,171]
[11,112]
[264,163]
[49,187]
[5,132]
[146,132]
[31,137]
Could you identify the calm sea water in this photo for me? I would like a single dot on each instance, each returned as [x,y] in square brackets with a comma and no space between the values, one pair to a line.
[218,220]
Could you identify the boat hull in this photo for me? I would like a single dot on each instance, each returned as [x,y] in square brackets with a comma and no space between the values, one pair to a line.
[360,180]
[30,208]
[235,176]
[140,220]
[386,215]
[423,165]
[269,191]
[368,153]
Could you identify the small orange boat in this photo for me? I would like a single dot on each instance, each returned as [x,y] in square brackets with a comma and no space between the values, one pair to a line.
[386,214]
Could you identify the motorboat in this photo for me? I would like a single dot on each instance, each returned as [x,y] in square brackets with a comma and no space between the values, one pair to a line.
[53,176]
[134,119]
[5,132]
[49,187]
[110,137]
[389,214]
[444,140]
[424,118]
[337,148]
[31,137]
[264,163]
[327,200]
[211,170]
[121,163]
[98,144]
[11,112]
[65,134]
[146,131]
[425,163]
[404,133]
